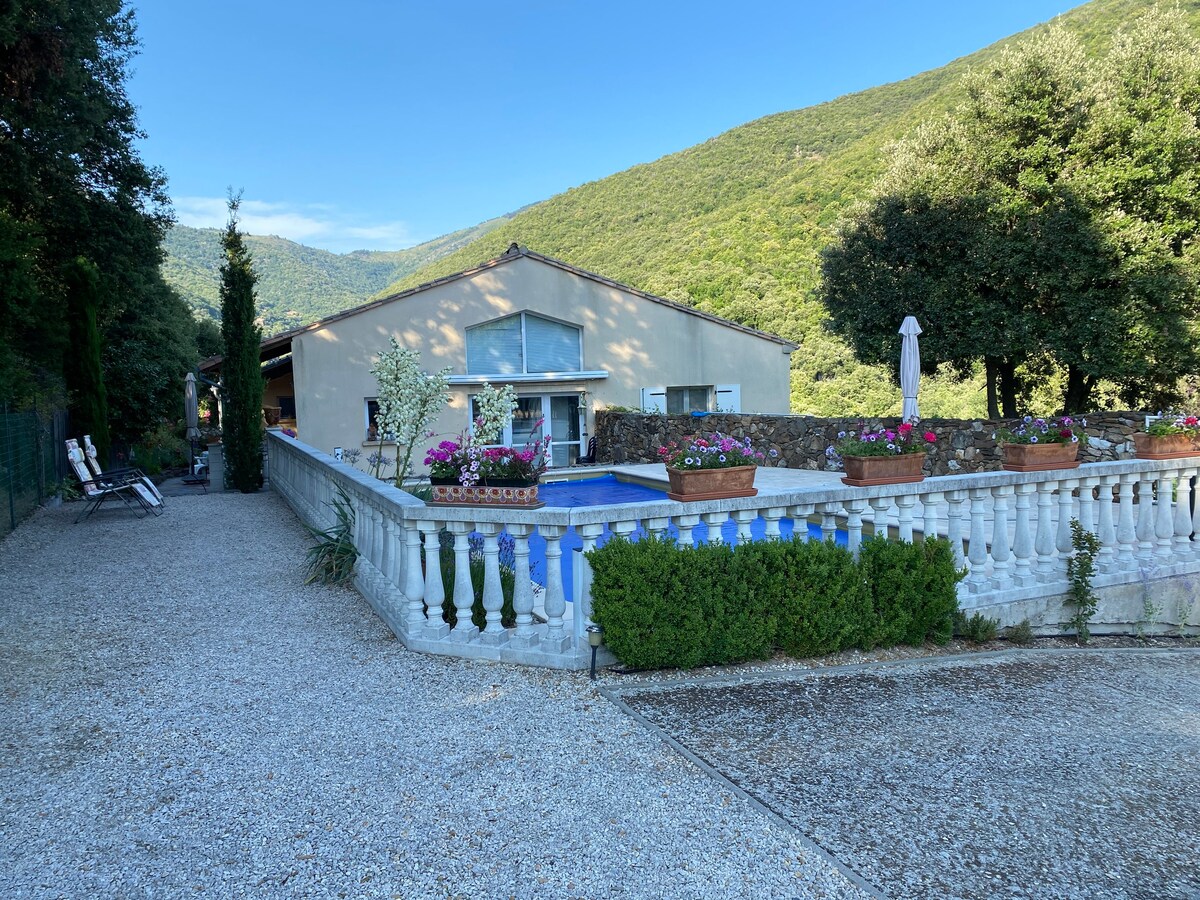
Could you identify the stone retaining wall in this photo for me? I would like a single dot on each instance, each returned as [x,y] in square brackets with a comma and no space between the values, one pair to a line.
[963,445]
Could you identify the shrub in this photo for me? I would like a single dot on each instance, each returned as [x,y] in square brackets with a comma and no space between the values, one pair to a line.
[662,606]
[332,559]
[978,629]
[912,590]
[1020,634]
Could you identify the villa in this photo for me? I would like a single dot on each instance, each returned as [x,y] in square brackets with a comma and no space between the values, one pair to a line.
[569,341]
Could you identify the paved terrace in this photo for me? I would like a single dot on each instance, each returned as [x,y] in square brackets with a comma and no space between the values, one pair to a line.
[182,717]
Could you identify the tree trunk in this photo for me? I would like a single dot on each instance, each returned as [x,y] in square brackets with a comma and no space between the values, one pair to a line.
[1008,388]
[989,368]
[1078,395]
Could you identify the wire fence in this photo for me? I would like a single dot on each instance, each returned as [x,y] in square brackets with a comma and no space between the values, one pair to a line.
[32,461]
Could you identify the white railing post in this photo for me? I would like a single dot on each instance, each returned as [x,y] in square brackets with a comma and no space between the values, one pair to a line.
[771,518]
[1043,539]
[493,592]
[977,554]
[904,516]
[954,526]
[588,536]
[879,510]
[714,521]
[1087,504]
[526,635]
[1145,520]
[435,593]
[929,514]
[556,637]
[414,584]
[1001,555]
[1022,537]
[854,525]
[685,524]
[1106,560]
[1066,512]
[743,518]
[829,521]
[1164,518]
[1183,511]
[1126,526]
[464,592]
[800,516]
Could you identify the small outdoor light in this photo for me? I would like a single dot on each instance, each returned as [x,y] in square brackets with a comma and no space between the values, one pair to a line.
[595,638]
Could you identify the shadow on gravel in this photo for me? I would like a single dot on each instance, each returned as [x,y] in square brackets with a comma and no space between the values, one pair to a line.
[1029,774]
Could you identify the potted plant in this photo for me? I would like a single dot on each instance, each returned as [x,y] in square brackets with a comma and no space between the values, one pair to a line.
[711,468]
[464,473]
[882,456]
[1170,436]
[1037,444]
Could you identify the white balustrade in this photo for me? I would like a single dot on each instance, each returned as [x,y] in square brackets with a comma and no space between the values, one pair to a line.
[1010,530]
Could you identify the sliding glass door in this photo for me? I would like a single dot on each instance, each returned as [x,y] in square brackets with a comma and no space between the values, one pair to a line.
[538,415]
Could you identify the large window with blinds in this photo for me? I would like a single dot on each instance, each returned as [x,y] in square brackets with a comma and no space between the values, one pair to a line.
[523,344]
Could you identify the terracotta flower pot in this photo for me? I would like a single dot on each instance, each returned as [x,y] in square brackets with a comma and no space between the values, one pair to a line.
[1166,446]
[898,468]
[522,495]
[1040,457]
[711,484]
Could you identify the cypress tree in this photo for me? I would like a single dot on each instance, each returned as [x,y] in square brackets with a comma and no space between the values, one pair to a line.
[84,374]
[241,373]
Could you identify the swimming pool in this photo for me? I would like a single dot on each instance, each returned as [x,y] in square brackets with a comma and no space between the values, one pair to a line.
[605,489]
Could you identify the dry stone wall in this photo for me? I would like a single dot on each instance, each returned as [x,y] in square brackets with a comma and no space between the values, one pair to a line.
[963,445]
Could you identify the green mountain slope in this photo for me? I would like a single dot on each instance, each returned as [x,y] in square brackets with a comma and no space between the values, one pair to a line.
[297,284]
[735,225]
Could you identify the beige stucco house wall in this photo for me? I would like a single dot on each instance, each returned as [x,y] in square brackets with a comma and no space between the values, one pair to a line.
[635,351]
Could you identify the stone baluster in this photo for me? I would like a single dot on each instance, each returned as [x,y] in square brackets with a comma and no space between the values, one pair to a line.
[414,584]
[1043,539]
[685,524]
[624,529]
[1145,520]
[828,520]
[525,635]
[954,526]
[1183,512]
[1087,505]
[1164,519]
[393,553]
[1126,525]
[904,516]
[800,516]
[435,593]
[977,578]
[854,525]
[1066,512]
[588,536]
[880,507]
[1001,547]
[743,518]
[929,514]
[771,519]
[715,522]
[656,526]
[1106,559]
[1196,518]
[493,593]
[1022,545]
[556,637]
[464,591]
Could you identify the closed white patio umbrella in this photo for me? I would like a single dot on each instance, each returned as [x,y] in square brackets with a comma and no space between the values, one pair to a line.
[910,368]
[191,407]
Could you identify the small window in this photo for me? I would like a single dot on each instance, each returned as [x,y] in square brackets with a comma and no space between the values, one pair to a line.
[287,407]
[681,400]
[372,433]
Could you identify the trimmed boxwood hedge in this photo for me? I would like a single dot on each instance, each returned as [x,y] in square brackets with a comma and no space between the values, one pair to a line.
[665,606]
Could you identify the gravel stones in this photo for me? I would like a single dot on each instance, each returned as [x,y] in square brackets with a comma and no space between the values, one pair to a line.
[181,716]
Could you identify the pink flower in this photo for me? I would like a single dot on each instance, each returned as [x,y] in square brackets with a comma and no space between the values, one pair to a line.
[930,437]
[906,428]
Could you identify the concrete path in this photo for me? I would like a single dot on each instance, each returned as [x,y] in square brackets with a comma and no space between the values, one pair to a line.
[181,717]
[1037,774]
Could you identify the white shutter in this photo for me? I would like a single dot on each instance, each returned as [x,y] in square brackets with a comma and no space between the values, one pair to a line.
[654,399]
[494,348]
[550,346]
[729,397]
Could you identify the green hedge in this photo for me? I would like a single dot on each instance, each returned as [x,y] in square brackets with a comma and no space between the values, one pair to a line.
[665,606]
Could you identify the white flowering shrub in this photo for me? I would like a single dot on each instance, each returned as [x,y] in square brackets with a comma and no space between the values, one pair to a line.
[496,407]
[409,399]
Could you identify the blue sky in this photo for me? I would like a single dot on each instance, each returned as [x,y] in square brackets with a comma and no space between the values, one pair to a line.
[368,124]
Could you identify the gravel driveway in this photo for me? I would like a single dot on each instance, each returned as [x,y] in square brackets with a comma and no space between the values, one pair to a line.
[182,717]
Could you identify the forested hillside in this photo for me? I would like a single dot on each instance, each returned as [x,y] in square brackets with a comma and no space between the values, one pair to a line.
[297,284]
[735,225]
